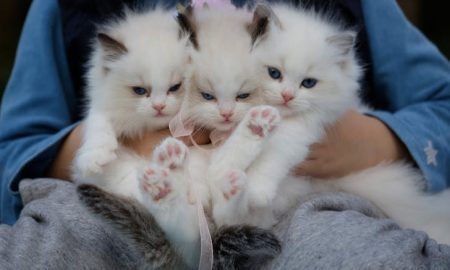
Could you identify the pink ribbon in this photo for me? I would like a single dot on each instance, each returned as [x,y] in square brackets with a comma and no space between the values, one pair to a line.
[178,129]
[221,4]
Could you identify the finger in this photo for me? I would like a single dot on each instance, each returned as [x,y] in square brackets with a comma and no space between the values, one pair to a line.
[304,168]
[186,140]
[317,151]
[318,168]
[316,147]
[201,136]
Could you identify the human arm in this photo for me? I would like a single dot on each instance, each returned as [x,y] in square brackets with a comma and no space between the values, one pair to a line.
[414,77]
[38,107]
[144,146]
[355,142]
[61,165]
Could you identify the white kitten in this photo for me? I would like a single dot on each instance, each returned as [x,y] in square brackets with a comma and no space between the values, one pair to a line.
[219,93]
[304,111]
[134,85]
[312,78]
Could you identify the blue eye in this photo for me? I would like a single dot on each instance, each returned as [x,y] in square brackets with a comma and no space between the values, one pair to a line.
[175,87]
[207,96]
[274,73]
[140,90]
[243,96]
[309,83]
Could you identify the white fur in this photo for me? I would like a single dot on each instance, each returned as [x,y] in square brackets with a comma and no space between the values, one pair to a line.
[398,189]
[298,54]
[223,67]
[156,59]
[176,212]
[303,49]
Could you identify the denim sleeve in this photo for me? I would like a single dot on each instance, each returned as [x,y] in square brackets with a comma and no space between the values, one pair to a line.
[38,105]
[414,77]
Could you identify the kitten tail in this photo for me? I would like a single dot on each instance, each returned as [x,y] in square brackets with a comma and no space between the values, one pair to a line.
[244,247]
[130,217]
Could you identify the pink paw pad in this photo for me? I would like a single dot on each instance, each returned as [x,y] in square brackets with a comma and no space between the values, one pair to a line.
[257,130]
[162,191]
[171,153]
[263,120]
[156,183]
[234,184]
[157,192]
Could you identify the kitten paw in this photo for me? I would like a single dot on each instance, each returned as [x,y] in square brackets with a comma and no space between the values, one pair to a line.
[91,161]
[233,184]
[155,183]
[171,153]
[261,196]
[262,120]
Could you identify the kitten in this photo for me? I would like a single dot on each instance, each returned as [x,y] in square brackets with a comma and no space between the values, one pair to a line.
[134,85]
[311,78]
[292,53]
[220,90]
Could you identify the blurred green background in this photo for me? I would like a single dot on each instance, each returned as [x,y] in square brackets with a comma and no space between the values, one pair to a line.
[430,16]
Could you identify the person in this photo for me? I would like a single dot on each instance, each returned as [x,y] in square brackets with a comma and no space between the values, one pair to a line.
[406,82]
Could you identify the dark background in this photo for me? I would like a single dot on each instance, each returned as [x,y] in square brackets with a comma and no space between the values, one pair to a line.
[432,17]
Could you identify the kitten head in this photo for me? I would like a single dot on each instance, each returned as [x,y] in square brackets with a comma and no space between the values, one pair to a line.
[220,82]
[307,65]
[137,69]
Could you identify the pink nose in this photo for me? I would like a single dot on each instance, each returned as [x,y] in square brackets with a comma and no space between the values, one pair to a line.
[158,107]
[287,96]
[227,115]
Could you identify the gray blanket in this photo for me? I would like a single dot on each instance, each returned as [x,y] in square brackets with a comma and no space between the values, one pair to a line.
[326,231]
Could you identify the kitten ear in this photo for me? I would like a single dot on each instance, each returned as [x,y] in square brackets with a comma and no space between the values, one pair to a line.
[263,18]
[112,48]
[185,20]
[344,42]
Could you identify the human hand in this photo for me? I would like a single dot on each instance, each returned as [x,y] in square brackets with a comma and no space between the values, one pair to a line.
[354,143]
[200,137]
[61,166]
[144,145]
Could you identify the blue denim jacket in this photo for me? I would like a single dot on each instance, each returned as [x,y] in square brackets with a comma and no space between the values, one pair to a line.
[411,82]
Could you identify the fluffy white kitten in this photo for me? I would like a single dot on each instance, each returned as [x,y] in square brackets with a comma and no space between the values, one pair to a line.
[309,73]
[134,85]
[221,89]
